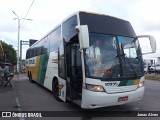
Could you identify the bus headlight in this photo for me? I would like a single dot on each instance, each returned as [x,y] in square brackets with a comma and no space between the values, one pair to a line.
[95,88]
[141,84]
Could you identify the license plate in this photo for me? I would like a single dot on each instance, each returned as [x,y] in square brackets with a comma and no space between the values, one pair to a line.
[125,98]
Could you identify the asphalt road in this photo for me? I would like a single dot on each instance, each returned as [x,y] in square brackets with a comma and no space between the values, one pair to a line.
[32,97]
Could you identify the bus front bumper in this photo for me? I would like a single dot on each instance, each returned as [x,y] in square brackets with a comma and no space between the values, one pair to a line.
[91,100]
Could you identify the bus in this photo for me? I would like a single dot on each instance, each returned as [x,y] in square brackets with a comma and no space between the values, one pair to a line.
[114,75]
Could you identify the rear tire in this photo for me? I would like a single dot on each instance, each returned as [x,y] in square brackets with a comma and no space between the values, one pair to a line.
[30,78]
[55,90]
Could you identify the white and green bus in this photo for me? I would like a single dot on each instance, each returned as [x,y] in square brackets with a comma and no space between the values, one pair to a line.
[65,61]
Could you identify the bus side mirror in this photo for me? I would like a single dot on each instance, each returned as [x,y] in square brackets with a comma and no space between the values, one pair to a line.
[147,43]
[83,36]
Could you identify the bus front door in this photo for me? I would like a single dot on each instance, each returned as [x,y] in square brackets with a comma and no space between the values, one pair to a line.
[74,73]
[62,72]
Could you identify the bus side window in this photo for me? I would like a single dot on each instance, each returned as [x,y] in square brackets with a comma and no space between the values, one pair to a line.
[54,39]
[69,30]
[38,50]
[45,45]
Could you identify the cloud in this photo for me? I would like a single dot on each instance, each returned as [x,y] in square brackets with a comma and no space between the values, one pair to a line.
[46,14]
[145,15]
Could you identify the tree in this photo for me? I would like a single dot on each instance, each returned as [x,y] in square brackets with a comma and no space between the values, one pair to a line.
[9,54]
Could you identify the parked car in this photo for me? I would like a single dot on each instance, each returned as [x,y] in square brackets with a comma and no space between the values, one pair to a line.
[149,69]
[157,68]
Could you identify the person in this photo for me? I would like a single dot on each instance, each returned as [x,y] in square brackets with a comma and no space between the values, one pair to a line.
[93,56]
[109,52]
[6,72]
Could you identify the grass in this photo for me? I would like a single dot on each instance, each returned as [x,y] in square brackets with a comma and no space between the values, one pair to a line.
[152,76]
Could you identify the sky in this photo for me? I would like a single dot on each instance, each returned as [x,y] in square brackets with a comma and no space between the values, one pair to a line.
[46,14]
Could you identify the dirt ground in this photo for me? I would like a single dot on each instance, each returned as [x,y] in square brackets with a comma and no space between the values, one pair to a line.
[152,76]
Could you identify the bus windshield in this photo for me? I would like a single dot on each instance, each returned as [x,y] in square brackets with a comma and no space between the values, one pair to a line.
[111,56]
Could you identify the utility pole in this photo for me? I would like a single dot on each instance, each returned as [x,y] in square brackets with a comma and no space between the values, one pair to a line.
[18,41]
[22,43]
[18,38]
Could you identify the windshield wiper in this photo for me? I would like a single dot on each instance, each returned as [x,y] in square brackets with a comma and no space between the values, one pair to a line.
[125,58]
[131,66]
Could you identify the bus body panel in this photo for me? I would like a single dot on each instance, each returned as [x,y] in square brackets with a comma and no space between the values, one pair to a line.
[42,68]
[116,86]
[52,69]
[32,66]
[37,66]
[51,72]
[62,88]
[92,99]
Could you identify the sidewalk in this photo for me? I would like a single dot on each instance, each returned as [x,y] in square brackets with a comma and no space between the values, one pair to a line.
[8,98]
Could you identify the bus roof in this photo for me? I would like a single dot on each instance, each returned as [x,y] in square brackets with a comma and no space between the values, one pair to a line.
[101,23]
[112,25]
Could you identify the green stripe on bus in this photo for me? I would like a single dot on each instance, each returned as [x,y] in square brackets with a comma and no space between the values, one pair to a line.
[123,83]
[127,83]
[42,68]
[130,82]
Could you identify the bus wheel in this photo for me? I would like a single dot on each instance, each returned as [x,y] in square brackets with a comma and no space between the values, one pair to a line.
[69,96]
[55,90]
[30,78]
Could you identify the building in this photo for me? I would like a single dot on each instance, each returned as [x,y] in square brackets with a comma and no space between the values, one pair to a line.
[149,62]
[158,60]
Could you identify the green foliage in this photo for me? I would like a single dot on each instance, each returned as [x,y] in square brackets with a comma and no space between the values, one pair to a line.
[10,53]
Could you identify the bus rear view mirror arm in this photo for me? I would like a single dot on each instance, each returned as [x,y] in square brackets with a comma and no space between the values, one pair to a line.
[83,36]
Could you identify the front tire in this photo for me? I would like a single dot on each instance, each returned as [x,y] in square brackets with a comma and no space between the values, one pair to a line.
[55,90]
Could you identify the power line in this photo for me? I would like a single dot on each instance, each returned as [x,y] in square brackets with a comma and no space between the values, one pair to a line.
[27,13]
